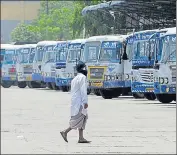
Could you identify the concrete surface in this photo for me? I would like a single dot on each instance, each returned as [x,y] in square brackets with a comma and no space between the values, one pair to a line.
[32,120]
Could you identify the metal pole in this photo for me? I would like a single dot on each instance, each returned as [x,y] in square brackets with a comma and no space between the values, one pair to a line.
[47,12]
[47,7]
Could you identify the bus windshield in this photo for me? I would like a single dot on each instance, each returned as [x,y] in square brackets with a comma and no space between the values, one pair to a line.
[169,49]
[61,54]
[49,54]
[110,51]
[141,49]
[91,51]
[32,54]
[9,56]
[74,52]
[40,52]
[2,55]
[129,50]
[24,55]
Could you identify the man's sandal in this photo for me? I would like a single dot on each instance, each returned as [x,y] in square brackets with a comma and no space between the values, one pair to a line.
[64,136]
[84,141]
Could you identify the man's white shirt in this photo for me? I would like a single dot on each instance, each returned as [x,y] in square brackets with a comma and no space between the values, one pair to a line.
[78,94]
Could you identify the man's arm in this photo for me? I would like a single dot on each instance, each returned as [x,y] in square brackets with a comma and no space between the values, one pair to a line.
[83,88]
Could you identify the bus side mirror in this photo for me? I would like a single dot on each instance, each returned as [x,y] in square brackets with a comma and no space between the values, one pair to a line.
[124,56]
[39,67]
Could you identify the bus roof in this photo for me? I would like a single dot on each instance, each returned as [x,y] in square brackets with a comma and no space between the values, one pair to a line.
[44,43]
[82,41]
[29,46]
[170,31]
[4,46]
[60,42]
[107,38]
[14,47]
[50,44]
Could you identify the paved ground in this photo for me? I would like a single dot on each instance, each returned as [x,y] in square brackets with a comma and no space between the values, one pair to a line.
[32,119]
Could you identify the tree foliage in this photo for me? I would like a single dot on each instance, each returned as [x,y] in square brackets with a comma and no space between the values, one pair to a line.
[23,33]
[64,20]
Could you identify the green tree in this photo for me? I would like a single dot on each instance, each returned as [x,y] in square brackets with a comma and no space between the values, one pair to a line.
[23,33]
[63,20]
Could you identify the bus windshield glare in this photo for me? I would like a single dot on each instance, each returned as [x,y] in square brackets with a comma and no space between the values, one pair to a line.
[24,55]
[32,54]
[110,51]
[9,56]
[91,51]
[61,53]
[74,51]
[40,52]
[141,49]
[169,49]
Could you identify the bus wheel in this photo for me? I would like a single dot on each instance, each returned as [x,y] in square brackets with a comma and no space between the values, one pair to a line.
[174,98]
[33,84]
[6,84]
[49,85]
[106,93]
[54,86]
[138,95]
[29,84]
[22,84]
[164,98]
[97,92]
[115,92]
[65,88]
[150,96]
[88,91]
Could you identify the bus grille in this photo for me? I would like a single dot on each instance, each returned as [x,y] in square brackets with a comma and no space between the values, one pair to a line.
[53,74]
[96,73]
[173,75]
[147,77]
[12,71]
[28,69]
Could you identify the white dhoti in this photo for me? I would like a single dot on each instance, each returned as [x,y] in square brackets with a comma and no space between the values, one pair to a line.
[78,121]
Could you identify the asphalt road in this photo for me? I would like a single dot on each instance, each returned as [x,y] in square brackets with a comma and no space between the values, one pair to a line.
[31,121]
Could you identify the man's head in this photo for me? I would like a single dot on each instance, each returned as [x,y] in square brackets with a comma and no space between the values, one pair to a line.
[81,68]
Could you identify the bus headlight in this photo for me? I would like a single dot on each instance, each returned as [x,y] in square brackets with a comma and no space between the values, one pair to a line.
[134,78]
[167,90]
[166,80]
[161,80]
[127,76]
[107,77]
[19,73]
[69,75]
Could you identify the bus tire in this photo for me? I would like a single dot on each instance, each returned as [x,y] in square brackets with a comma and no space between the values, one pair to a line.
[138,95]
[106,93]
[97,92]
[65,88]
[29,84]
[54,86]
[22,84]
[150,96]
[6,84]
[49,85]
[33,84]
[164,98]
[88,91]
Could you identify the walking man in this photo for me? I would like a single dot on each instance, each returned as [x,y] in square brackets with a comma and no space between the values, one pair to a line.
[79,103]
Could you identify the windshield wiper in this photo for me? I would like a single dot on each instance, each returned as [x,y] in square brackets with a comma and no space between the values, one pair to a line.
[50,60]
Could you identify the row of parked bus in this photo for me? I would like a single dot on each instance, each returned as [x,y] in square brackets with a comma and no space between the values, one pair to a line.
[141,63]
